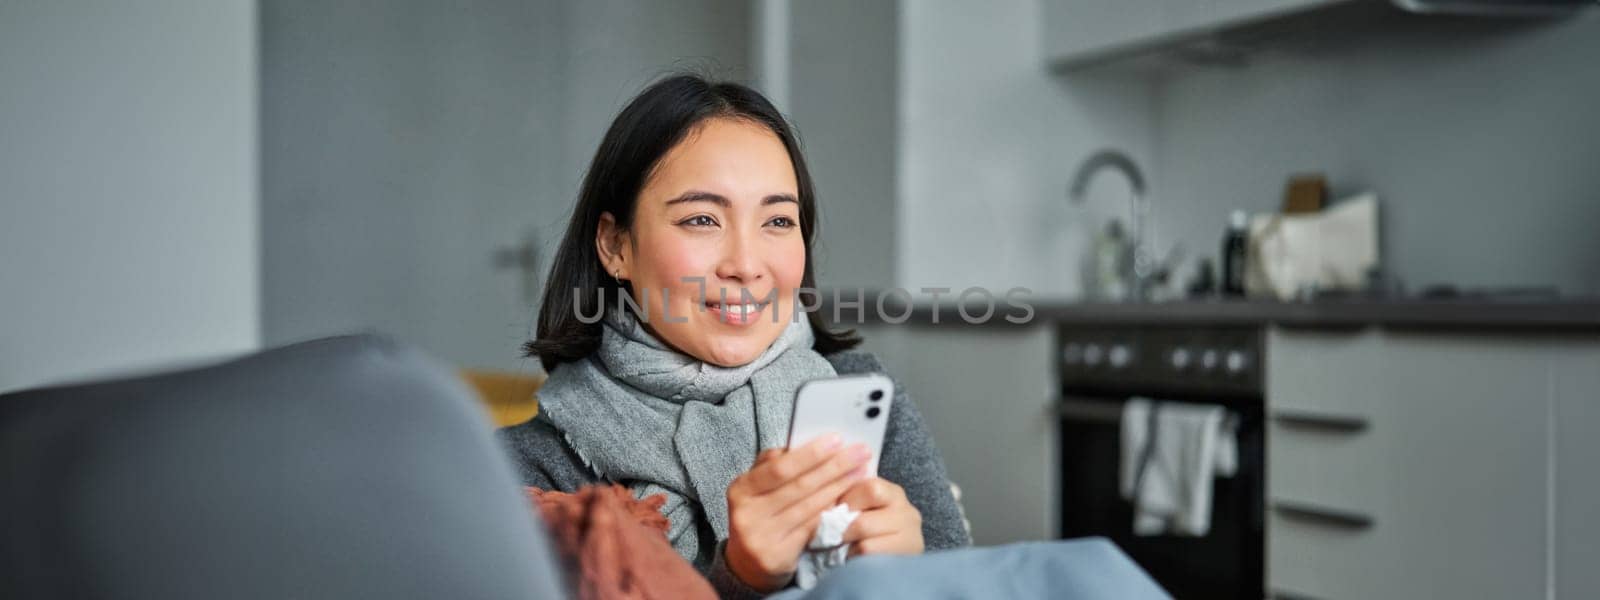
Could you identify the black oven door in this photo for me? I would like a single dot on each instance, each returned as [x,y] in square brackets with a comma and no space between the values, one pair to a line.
[1226,563]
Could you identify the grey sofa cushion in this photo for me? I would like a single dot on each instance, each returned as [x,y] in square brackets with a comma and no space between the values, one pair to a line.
[340,468]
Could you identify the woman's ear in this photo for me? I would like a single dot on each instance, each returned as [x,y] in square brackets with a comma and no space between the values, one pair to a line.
[612,244]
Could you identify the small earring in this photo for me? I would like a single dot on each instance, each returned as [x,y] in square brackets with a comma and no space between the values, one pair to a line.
[617,275]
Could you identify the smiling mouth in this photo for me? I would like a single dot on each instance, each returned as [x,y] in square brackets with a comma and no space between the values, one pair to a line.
[736,313]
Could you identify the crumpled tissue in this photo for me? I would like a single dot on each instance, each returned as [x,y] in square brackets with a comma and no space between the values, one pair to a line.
[827,548]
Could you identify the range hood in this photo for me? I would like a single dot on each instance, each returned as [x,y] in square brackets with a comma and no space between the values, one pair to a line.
[1311,23]
[1494,8]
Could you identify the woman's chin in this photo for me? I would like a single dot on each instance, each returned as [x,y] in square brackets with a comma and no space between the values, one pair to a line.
[709,338]
[732,357]
[736,350]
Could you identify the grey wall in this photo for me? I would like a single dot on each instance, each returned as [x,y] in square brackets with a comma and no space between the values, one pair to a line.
[842,88]
[617,47]
[987,140]
[127,186]
[407,142]
[1479,137]
[941,145]
[403,142]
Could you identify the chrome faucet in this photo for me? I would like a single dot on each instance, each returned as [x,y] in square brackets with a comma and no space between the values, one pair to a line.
[1142,267]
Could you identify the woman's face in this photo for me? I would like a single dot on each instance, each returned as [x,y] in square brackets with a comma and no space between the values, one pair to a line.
[719,218]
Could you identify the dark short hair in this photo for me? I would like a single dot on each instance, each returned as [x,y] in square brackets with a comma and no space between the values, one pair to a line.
[650,125]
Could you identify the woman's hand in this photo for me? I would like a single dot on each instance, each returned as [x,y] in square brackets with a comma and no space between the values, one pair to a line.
[774,507]
[888,523]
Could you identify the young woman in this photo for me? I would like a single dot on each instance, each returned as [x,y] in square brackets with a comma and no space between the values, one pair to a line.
[699,212]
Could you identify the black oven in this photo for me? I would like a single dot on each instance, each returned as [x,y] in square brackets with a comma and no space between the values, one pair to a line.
[1100,368]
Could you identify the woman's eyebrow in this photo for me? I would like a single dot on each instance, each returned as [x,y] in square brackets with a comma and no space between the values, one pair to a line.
[719,199]
[699,196]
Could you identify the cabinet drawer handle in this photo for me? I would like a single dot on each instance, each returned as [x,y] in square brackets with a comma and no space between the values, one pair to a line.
[1316,422]
[1085,410]
[1325,516]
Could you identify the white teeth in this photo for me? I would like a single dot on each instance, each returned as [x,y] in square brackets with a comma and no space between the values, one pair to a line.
[739,309]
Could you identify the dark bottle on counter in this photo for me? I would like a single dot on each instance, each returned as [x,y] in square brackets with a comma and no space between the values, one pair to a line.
[1234,253]
[1204,283]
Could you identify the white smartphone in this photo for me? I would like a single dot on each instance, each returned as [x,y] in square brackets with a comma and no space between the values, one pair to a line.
[854,406]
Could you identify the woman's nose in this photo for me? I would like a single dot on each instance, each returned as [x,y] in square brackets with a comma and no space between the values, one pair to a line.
[741,261]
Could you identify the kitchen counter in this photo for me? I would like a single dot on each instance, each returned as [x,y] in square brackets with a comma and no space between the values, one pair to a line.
[1552,315]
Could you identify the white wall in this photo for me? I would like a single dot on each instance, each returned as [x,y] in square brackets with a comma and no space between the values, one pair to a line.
[127,186]
[1480,138]
[988,139]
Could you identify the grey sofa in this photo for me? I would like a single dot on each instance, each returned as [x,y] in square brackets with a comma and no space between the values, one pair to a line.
[348,467]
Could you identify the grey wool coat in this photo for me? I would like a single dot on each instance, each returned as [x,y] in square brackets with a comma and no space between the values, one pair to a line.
[909,460]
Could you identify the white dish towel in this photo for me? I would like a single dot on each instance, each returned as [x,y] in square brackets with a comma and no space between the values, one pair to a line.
[1191,444]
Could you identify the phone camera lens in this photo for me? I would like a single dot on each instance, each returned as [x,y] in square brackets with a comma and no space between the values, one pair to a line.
[872,413]
[876,395]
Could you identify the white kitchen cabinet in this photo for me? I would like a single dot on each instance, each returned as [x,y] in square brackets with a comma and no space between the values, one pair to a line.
[1430,465]
[1078,31]
[1222,13]
[1084,28]
[987,396]
[1576,387]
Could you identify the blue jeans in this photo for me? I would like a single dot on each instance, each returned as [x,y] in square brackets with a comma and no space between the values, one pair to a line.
[1081,568]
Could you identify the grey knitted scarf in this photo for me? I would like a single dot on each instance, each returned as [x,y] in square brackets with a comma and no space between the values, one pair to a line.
[644,415]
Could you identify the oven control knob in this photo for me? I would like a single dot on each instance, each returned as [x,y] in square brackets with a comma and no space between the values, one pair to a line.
[1120,356]
[1209,359]
[1236,362]
[1072,354]
[1179,358]
[1092,355]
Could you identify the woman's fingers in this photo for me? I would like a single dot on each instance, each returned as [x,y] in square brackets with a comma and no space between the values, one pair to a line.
[873,523]
[841,464]
[803,513]
[774,468]
[883,544]
[893,529]
[869,494]
[774,507]
[798,537]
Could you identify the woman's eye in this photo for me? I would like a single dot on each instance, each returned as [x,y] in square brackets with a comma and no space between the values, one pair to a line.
[699,221]
[784,222]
